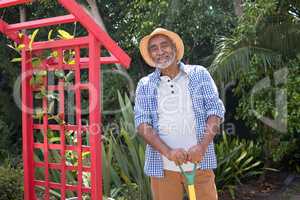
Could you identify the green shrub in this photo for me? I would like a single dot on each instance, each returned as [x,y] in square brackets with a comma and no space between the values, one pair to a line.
[128,151]
[11,183]
[237,159]
[5,132]
[279,145]
[126,191]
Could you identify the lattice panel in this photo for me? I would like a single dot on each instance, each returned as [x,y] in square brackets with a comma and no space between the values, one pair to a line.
[63,138]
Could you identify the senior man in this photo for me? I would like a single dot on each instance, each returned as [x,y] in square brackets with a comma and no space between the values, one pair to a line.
[178,113]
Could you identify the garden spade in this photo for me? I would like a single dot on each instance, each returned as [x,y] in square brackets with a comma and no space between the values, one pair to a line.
[190,180]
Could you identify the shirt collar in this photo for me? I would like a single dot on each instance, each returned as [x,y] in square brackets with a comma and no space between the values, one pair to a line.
[182,67]
[178,76]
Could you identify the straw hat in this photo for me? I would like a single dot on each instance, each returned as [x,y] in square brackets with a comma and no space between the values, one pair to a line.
[174,37]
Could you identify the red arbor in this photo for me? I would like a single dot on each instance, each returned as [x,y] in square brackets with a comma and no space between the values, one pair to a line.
[93,43]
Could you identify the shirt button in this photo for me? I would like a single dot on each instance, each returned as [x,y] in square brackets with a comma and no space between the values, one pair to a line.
[172,92]
[168,80]
[172,85]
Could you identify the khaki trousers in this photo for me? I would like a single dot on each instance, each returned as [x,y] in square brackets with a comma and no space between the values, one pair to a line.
[171,186]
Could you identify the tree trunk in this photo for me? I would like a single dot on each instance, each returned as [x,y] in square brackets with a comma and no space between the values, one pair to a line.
[97,16]
[267,139]
[238,9]
[95,13]
[22,11]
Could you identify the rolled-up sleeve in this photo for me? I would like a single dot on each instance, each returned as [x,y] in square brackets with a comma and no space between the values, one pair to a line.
[212,103]
[141,106]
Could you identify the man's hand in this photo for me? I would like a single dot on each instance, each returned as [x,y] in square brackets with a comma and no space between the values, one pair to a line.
[196,153]
[179,156]
[213,125]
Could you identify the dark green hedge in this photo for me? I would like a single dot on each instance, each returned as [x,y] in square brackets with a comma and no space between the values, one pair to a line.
[11,183]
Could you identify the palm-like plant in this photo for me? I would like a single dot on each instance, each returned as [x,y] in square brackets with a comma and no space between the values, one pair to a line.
[267,38]
[267,31]
[129,151]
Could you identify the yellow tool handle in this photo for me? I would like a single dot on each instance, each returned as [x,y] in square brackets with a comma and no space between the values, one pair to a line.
[192,193]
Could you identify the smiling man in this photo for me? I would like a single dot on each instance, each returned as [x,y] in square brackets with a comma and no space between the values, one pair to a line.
[178,113]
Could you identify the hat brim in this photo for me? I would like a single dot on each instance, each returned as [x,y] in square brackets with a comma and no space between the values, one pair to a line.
[174,37]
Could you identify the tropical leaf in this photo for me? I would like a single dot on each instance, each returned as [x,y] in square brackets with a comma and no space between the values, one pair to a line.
[32,38]
[50,34]
[16,60]
[59,73]
[232,60]
[20,47]
[237,159]
[36,62]
[64,35]
[270,38]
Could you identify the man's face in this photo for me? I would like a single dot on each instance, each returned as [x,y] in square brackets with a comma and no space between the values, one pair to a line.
[162,51]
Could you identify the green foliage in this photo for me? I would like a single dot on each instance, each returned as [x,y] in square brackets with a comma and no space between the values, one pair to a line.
[10,124]
[257,34]
[266,40]
[278,145]
[113,81]
[237,160]
[129,153]
[11,183]
[125,192]
[110,175]
[71,159]
[198,22]
[5,132]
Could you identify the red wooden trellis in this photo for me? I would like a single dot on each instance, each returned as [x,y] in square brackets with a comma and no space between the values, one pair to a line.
[95,40]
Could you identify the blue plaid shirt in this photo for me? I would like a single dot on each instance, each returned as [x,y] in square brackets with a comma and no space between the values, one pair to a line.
[205,102]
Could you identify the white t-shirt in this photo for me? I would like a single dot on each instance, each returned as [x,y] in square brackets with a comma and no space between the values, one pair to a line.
[176,119]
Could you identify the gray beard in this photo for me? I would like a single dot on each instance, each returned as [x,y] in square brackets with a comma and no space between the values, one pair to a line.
[166,64]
